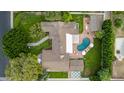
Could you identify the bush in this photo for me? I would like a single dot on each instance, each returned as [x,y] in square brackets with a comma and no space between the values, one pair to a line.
[118,22]
[104,74]
[24,67]
[15,42]
[66,16]
[99,34]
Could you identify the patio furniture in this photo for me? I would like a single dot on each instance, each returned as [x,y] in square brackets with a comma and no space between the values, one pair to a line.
[83,53]
[91,45]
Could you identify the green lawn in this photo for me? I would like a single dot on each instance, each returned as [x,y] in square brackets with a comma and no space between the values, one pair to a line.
[92,59]
[38,49]
[79,19]
[26,19]
[58,74]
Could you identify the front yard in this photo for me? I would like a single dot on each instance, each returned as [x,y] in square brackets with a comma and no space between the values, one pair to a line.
[92,59]
[31,23]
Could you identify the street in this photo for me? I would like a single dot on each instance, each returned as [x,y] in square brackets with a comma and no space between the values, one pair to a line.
[4,27]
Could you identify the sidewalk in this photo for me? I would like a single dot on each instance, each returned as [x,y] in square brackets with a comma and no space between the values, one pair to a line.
[39,42]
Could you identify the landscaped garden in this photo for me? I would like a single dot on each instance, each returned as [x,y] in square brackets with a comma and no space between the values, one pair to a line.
[92,59]
[57,74]
[98,61]
[107,54]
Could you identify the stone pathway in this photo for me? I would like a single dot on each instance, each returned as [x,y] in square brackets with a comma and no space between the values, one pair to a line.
[39,42]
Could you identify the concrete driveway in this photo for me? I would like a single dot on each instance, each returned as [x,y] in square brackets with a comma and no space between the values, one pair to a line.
[4,27]
[118,70]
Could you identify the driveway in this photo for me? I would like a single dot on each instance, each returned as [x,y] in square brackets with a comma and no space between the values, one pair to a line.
[4,27]
[118,70]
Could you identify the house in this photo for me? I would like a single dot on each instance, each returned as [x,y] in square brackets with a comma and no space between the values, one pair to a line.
[119,48]
[59,57]
[118,64]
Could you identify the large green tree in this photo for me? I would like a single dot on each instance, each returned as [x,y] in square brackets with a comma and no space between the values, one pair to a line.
[15,42]
[24,67]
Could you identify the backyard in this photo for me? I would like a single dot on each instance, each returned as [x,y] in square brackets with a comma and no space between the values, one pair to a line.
[92,59]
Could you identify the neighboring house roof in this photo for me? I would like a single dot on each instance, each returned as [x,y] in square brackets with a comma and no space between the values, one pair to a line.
[95,22]
[118,65]
[57,58]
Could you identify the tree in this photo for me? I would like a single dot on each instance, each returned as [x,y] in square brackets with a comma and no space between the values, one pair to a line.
[118,22]
[15,42]
[66,16]
[104,74]
[24,67]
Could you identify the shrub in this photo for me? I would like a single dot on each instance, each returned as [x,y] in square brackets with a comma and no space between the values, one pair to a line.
[118,22]
[104,74]
[24,67]
[99,34]
[15,42]
[66,16]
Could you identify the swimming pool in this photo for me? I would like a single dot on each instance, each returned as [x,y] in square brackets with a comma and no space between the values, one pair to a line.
[85,43]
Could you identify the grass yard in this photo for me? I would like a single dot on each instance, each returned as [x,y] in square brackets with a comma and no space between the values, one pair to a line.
[26,19]
[57,74]
[38,49]
[92,59]
[79,20]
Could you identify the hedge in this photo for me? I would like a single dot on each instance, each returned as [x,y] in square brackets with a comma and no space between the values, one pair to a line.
[107,44]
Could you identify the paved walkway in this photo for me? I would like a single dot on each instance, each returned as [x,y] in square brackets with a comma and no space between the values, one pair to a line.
[39,42]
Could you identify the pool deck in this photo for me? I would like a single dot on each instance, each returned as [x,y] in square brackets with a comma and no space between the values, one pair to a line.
[86,33]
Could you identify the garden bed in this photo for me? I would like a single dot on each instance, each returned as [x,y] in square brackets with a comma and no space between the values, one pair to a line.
[58,74]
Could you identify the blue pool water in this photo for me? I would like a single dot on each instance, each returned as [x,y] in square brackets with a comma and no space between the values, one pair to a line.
[85,43]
